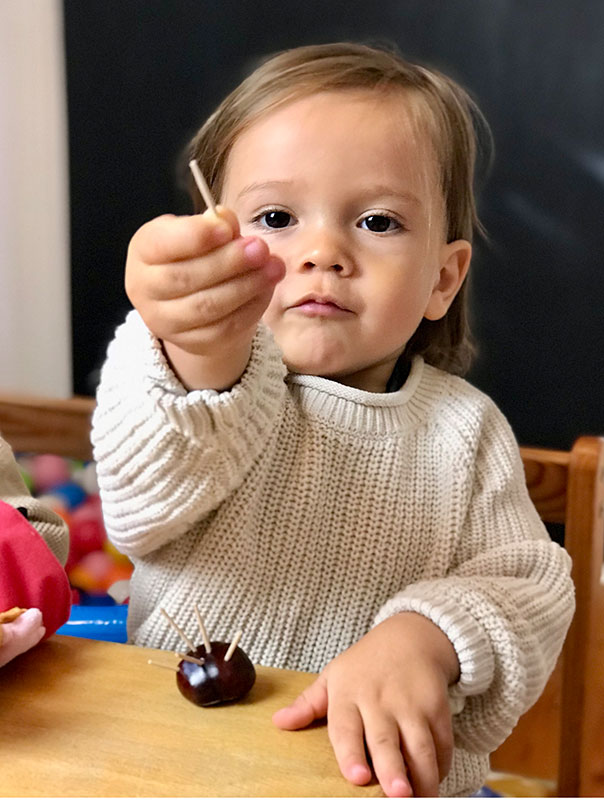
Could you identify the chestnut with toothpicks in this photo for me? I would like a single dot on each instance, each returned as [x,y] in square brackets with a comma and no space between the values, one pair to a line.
[213,672]
[218,679]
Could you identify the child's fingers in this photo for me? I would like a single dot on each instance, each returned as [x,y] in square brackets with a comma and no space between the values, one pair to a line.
[382,738]
[209,306]
[168,238]
[442,734]
[21,635]
[184,278]
[306,708]
[420,759]
[203,340]
[345,728]
[230,218]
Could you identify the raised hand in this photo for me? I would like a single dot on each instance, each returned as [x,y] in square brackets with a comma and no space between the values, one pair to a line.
[201,288]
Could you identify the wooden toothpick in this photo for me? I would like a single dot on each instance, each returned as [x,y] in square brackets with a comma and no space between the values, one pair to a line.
[163,666]
[233,645]
[192,659]
[204,190]
[178,630]
[202,629]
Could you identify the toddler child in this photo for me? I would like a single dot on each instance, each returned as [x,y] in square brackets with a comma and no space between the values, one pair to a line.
[35,597]
[282,434]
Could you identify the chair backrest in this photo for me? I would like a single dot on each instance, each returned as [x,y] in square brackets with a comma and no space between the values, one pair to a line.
[566,486]
[45,425]
[554,739]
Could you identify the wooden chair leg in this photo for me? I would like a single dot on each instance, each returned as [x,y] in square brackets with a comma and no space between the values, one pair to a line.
[584,540]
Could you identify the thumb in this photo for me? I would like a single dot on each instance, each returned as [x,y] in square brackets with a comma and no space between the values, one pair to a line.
[306,708]
[230,218]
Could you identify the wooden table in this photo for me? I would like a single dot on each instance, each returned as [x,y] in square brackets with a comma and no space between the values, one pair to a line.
[90,718]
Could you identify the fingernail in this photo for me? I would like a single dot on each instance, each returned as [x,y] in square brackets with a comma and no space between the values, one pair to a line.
[399,788]
[359,774]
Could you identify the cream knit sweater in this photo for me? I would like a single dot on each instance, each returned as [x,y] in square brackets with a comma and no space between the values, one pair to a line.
[305,512]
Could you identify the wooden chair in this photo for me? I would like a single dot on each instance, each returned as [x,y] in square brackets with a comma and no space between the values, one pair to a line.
[562,737]
[45,425]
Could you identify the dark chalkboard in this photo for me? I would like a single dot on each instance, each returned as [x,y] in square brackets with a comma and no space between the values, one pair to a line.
[143,74]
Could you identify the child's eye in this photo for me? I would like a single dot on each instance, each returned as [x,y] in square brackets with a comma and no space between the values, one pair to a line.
[274,219]
[379,223]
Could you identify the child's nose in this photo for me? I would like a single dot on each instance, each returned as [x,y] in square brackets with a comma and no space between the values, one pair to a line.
[326,251]
[324,265]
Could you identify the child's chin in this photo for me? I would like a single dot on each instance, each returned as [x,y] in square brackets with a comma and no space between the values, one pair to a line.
[310,367]
[315,359]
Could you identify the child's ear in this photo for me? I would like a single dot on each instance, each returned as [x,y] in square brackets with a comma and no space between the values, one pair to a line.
[454,262]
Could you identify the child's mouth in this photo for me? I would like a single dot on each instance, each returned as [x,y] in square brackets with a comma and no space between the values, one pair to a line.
[313,306]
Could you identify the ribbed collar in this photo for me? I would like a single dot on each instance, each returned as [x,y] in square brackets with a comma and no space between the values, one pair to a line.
[368,412]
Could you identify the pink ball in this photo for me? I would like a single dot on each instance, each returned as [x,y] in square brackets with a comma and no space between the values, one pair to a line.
[86,528]
[96,564]
[90,574]
[48,471]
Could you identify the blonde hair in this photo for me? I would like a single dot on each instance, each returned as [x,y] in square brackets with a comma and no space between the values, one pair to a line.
[455,125]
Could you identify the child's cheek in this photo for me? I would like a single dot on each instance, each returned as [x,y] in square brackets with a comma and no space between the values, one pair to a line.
[270,315]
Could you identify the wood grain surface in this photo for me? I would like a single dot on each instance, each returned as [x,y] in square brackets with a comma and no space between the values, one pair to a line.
[90,718]
[47,425]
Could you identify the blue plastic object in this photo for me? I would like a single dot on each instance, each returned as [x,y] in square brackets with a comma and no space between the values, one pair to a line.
[70,493]
[97,622]
[94,599]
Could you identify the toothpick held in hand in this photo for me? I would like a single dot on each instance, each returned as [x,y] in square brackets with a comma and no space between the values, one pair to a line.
[204,190]
[233,645]
[178,630]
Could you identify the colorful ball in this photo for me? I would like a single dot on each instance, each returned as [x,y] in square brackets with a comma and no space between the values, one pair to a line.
[48,471]
[71,493]
[115,554]
[117,573]
[87,531]
[89,573]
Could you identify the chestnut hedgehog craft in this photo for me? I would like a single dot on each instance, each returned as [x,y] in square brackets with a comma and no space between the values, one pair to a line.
[213,672]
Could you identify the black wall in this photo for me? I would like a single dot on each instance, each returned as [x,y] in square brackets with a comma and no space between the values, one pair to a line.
[143,74]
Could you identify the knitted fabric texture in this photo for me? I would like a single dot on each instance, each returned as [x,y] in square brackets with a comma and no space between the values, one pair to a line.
[305,512]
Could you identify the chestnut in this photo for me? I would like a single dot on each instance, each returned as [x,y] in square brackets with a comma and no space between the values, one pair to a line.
[216,680]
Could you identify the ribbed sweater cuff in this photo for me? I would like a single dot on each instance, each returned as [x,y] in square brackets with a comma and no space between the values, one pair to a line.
[471,643]
[250,402]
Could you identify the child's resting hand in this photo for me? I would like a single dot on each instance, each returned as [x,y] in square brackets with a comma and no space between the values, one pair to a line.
[20,634]
[388,692]
[201,288]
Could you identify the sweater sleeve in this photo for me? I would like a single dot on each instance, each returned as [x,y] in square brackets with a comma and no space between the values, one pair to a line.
[13,491]
[166,457]
[507,600]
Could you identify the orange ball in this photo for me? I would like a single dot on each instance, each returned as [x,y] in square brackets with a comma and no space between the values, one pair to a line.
[115,554]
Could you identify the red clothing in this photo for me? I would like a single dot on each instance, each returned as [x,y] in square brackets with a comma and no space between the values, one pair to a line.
[30,574]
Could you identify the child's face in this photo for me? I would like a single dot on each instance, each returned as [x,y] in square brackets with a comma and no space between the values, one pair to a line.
[340,190]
